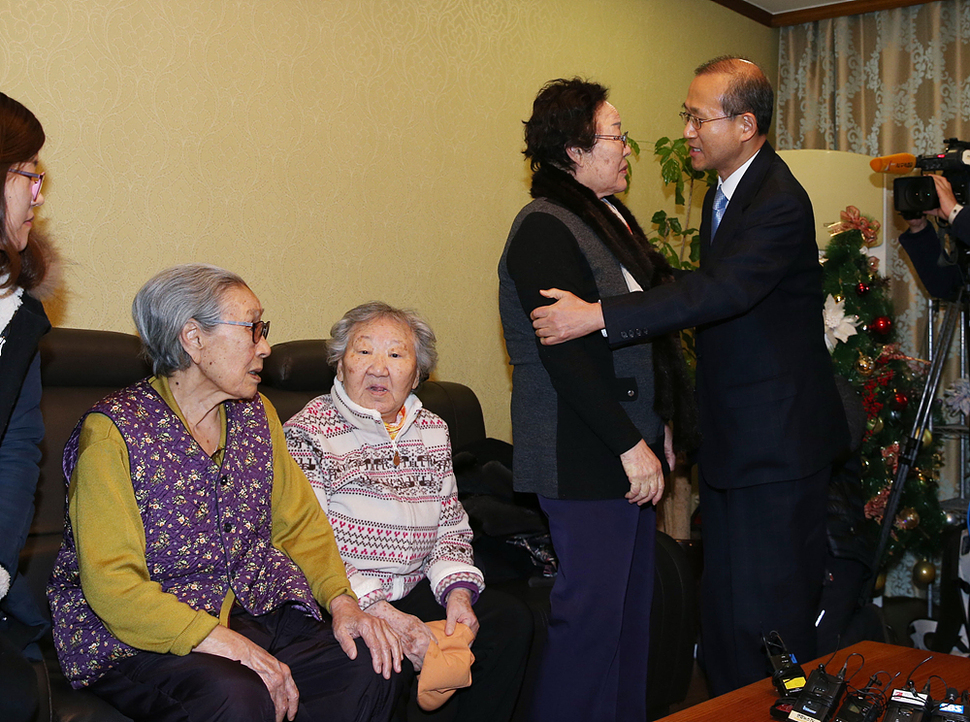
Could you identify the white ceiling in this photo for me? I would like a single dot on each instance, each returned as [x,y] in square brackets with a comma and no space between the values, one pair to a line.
[784,6]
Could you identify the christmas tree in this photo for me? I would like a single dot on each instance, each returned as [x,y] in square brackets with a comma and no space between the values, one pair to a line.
[860,334]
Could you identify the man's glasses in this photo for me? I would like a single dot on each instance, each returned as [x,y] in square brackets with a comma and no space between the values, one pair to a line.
[260,328]
[621,138]
[37,180]
[693,120]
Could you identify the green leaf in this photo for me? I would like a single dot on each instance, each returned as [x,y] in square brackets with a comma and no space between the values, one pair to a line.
[695,249]
[671,172]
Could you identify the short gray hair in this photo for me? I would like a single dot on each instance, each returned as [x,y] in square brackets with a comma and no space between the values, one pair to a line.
[424,338]
[169,300]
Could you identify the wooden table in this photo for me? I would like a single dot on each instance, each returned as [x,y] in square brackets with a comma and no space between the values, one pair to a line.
[752,703]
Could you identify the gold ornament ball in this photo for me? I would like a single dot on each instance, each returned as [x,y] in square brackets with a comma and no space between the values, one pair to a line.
[839,298]
[865,465]
[880,585]
[908,518]
[927,437]
[865,365]
[923,573]
[875,424]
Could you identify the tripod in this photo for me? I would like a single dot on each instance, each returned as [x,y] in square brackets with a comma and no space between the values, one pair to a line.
[952,615]
[907,455]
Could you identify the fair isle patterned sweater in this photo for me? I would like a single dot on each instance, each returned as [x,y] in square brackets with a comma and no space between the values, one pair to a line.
[394,525]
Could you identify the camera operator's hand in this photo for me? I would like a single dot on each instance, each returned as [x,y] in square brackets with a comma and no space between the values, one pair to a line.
[944,191]
[947,200]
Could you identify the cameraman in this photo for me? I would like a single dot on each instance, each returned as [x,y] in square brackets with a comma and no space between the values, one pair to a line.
[941,276]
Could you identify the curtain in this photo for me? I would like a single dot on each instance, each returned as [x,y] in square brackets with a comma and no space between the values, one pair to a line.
[886,82]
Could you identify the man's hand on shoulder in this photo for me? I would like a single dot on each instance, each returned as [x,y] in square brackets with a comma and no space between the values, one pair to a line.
[568,318]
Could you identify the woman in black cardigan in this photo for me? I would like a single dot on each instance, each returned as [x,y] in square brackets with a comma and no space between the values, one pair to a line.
[592,427]
[24,263]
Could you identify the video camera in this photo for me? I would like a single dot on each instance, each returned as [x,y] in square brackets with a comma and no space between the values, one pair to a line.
[914,196]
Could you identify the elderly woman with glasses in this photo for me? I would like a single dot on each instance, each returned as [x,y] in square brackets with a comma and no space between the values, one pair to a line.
[592,425]
[380,465]
[196,565]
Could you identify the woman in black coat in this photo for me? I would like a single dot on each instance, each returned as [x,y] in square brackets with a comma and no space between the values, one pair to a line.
[24,265]
[592,426]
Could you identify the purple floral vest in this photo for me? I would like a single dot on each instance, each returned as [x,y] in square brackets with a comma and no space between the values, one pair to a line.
[207,529]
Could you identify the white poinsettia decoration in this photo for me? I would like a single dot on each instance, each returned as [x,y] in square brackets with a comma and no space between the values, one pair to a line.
[838,326]
[957,397]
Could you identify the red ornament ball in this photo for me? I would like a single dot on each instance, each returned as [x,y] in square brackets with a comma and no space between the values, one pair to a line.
[900,400]
[862,288]
[881,325]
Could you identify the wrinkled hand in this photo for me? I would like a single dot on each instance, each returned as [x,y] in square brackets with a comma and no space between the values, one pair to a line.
[223,642]
[669,447]
[568,318]
[349,623]
[414,634]
[645,473]
[459,609]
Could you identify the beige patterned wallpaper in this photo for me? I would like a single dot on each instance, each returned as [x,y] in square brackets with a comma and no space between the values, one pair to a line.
[329,151]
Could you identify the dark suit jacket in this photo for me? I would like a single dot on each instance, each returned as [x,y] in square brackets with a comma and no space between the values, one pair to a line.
[769,408]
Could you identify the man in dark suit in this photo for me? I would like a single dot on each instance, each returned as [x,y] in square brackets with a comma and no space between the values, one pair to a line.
[771,419]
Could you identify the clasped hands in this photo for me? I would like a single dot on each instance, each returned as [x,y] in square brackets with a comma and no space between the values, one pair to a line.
[415,635]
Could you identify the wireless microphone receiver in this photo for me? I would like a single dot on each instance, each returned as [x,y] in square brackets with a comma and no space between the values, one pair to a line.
[820,697]
[787,675]
[863,705]
[908,705]
[950,709]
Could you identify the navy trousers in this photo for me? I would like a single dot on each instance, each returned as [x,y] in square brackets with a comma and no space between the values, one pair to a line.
[764,565]
[594,666]
[18,683]
[205,688]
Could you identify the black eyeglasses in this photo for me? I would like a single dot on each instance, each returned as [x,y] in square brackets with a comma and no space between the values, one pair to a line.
[37,180]
[260,328]
[621,138]
[691,119]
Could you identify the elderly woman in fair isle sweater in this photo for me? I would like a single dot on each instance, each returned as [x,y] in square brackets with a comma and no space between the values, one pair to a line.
[195,560]
[380,465]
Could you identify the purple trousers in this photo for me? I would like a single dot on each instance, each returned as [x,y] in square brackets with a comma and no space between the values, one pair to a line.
[594,665]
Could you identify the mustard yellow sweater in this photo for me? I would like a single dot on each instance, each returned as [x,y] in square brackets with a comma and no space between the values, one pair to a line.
[110,538]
